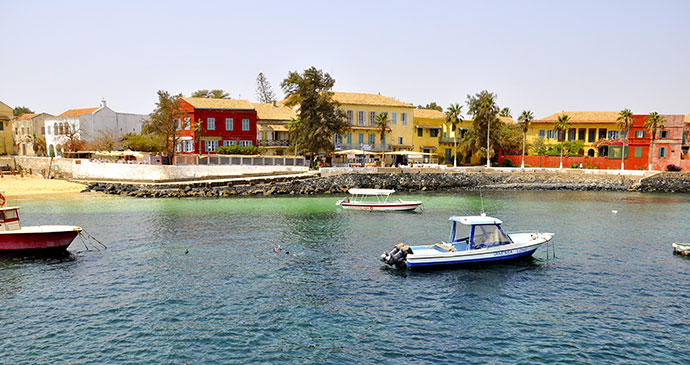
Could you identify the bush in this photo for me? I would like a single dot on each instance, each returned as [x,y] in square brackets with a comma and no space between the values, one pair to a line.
[239,150]
[575,166]
[672,167]
[507,163]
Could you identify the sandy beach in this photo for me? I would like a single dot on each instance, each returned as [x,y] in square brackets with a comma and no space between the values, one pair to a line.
[16,186]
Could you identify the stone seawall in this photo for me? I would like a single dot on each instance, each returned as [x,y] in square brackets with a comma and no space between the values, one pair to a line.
[487,180]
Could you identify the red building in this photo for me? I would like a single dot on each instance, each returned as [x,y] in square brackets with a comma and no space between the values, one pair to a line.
[224,122]
[670,145]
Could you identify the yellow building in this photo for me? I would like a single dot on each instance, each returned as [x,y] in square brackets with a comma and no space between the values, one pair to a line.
[360,113]
[428,127]
[588,127]
[6,141]
[272,127]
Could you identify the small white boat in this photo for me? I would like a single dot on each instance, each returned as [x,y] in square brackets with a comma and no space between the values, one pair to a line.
[472,239]
[376,200]
[681,249]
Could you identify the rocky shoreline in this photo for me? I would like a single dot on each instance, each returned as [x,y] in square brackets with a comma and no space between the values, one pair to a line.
[409,182]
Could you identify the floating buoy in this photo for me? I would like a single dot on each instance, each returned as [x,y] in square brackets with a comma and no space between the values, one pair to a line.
[186,251]
[614,211]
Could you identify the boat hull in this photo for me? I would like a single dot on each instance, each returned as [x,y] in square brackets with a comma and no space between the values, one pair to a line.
[394,206]
[681,249]
[53,238]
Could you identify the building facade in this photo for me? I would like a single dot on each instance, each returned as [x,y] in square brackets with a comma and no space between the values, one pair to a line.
[428,129]
[26,128]
[88,124]
[592,128]
[206,124]
[272,127]
[6,140]
[671,144]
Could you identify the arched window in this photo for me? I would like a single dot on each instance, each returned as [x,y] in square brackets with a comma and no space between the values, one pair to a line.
[56,131]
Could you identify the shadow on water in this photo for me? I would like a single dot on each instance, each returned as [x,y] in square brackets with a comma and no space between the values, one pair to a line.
[519,264]
[39,256]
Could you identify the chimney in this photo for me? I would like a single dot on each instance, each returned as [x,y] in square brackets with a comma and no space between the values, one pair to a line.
[103,105]
[274,103]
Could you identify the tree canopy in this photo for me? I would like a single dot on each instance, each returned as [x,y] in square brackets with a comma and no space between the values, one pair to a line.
[20,110]
[264,91]
[432,106]
[211,94]
[484,111]
[162,124]
[505,112]
[318,116]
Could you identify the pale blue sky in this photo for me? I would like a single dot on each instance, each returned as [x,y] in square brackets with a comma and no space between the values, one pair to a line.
[546,56]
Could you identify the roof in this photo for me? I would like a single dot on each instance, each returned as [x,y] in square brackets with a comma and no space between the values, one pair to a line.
[507,120]
[474,220]
[76,112]
[686,118]
[268,111]
[209,103]
[429,114]
[26,116]
[371,191]
[582,117]
[367,99]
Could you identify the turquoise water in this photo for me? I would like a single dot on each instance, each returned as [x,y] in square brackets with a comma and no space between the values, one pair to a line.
[614,293]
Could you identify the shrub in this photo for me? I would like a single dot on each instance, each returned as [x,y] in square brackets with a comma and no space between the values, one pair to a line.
[507,163]
[239,150]
[574,165]
[672,167]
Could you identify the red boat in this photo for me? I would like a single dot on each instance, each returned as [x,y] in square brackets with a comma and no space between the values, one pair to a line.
[14,237]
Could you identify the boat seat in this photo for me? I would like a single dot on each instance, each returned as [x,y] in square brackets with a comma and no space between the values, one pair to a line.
[442,247]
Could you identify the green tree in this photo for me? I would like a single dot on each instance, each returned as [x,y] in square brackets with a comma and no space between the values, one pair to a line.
[525,120]
[264,91]
[38,144]
[505,112]
[382,125]
[453,118]
[624,123]
[653,123]
[561,126]
[432,106]
[163,122]
[211,94]
[482,106]
[140,142]
[319,118]
[20,110]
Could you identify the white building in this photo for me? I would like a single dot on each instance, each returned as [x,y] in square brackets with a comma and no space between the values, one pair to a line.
[88,124]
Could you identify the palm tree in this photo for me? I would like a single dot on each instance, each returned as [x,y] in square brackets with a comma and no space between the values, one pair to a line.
[454,117]
[39,144]
[525,120]
[654,122]
[624,123]
[561,126]
[382,125]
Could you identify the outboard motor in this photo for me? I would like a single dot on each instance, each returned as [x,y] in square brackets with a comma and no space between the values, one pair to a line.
[397,255]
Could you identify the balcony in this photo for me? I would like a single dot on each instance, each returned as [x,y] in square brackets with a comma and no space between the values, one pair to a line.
[273,143]
[364,146]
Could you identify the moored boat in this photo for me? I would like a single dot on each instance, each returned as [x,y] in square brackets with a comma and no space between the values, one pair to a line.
[681,249]
[472,239]
[14,237]
[376,200]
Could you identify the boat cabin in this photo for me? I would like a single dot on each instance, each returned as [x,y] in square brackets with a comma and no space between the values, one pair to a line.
[471,233]
[9,219]
[381,195]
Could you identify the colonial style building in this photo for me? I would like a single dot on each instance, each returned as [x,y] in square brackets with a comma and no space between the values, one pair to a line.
[211,123]
[360,113]
[6,143]
[670,145]
[585,126]
[272,127]
[87,124]
[26,128]
[428,127]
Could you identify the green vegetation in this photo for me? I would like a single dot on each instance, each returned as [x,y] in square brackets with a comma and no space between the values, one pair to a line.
[239,150]
[264,91]
[654,122]
[561,126]
[382,125]
[432,106]
[453,117]
[142,142]
[20,110]
[624,123]
[488,133]
[161,125]
[211,94]
[525,119]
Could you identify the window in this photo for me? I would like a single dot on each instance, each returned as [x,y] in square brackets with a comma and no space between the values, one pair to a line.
[177,123]
[350,117]
[186,123]
[394,121]
[349,139]
[178,147]
[360,117]
[400,140]
[372,139]
[602,133]
[613,134]
[542,133]
[188,146]
[433,133]
[403,118]
[372,118]
[211,146]
[592,135]
[662,152]
[663,134]
[420,132]
[245,143]
[2,125]
[48,130]
[361,139]
[639,134]
[551,134]
[638,151]
[581,134]
[211,124]
[571,134]
[229,124]
[230,143]
[245,125]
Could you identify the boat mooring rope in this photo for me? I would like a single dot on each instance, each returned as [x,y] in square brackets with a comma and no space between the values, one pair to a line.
[89,236]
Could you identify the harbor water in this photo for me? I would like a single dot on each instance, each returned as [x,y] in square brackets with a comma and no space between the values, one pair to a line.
[199,281]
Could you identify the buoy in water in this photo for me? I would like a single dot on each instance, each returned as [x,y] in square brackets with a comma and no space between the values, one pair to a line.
[186,251]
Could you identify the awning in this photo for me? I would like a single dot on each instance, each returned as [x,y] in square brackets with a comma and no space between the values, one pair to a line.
[408,153]
[211,138]
[354,152]
[272,127]
[427,127]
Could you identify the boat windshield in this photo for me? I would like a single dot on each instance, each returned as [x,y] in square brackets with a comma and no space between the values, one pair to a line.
[487,235]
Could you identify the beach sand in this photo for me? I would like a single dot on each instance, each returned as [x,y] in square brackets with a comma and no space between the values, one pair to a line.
[16,186]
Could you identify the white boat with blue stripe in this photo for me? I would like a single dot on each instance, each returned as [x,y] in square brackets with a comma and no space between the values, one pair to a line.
[473,239]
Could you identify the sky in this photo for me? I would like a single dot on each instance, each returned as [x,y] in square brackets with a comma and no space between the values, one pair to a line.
[543,56]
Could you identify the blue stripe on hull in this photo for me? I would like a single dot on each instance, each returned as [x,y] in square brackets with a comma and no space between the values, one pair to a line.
[467,261]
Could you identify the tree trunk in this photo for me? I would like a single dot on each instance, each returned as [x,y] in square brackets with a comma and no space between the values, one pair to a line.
[651,152]
[561,155]
[623,157]
[455,151]
[524,139]
[488,153]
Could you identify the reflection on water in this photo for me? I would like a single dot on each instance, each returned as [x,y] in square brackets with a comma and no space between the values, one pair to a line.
[614,292]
